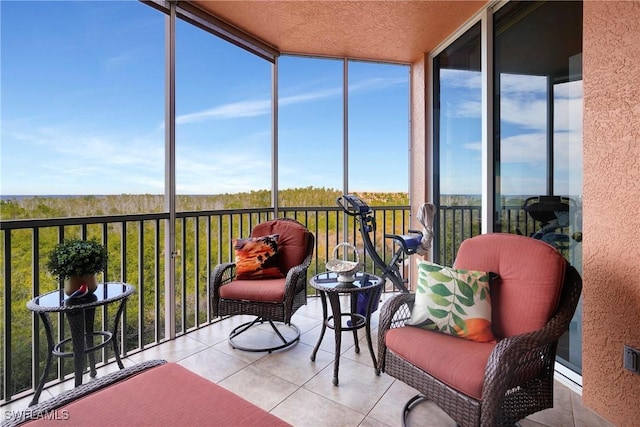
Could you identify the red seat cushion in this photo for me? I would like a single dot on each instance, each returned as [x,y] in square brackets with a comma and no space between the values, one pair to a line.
[167,395]
[531,275]
[264,290]
[457,362]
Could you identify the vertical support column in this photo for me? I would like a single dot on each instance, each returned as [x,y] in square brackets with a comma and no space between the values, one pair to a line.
[345,142]
[274,137]
[170,178]
[488,189]
[550,135]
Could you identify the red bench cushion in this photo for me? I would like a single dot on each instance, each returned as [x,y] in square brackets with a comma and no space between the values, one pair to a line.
[168,395]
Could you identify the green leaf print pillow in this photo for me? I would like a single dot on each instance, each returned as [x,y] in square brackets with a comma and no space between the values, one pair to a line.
[456,302]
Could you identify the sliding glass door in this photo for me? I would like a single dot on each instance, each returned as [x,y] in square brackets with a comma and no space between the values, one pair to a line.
[532,135]
[538,132]
[458,131]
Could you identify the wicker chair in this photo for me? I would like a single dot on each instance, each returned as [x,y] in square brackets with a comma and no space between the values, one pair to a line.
[271,300]
[489,384]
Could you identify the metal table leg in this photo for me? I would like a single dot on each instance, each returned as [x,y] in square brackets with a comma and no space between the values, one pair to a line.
[46,321]
[77,325]
[323,298]
[334,300]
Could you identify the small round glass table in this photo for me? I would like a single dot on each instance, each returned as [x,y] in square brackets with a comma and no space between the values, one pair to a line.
[80,313]
[364,292]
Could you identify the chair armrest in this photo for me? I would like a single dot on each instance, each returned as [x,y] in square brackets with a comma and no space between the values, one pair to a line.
[519,358]
[222,274]
[393,314]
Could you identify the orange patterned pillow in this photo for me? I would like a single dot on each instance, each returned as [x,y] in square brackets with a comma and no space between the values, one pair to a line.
[257,257]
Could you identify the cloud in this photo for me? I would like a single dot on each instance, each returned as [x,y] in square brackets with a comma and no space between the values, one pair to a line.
[222,171]
[69,156]
[465,79]
[473,146]
[524,148]
[526,113]
[522,84]
[228,111]
[118,61]
[376,83]
[259,107]
[468,109]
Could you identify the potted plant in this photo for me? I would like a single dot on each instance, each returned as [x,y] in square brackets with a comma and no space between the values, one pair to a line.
[77,262]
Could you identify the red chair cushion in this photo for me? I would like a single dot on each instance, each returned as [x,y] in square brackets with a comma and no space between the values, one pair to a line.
[531,275]
[292,243]
[265,290]
[457,362]
[168,395]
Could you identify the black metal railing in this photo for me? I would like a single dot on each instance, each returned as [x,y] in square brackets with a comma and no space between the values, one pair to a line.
[136,247]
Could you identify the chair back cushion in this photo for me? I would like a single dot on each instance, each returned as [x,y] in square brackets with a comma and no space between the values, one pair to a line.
[292,243]
[531,274]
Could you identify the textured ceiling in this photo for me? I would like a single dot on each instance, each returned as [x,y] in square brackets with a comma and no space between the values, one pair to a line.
[396,31]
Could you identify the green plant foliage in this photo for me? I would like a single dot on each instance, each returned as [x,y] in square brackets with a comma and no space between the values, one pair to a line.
[77,257]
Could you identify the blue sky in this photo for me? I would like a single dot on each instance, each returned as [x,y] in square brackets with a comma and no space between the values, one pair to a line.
[82,98]
[83,109]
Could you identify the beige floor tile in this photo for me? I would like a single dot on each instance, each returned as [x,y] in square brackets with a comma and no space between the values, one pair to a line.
[372,422]
[389,409]
[305,323]
[313,309]
[428,414]
[259,387]
[213,334]
[245,356]
[364,356]
[171,351]
[307,409]
[586,417]
[213,364]
[359,387]
[294,364]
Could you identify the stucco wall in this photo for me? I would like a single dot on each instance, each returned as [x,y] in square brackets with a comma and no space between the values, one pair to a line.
[611,274]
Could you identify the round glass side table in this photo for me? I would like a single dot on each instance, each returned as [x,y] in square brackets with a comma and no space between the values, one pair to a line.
[365,288]
[80,313]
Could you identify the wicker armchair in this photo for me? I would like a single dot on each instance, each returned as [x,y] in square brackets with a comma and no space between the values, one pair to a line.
[489,384]
[271,300]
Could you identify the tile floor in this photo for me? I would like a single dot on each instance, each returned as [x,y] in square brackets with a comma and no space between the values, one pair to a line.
[289,385]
